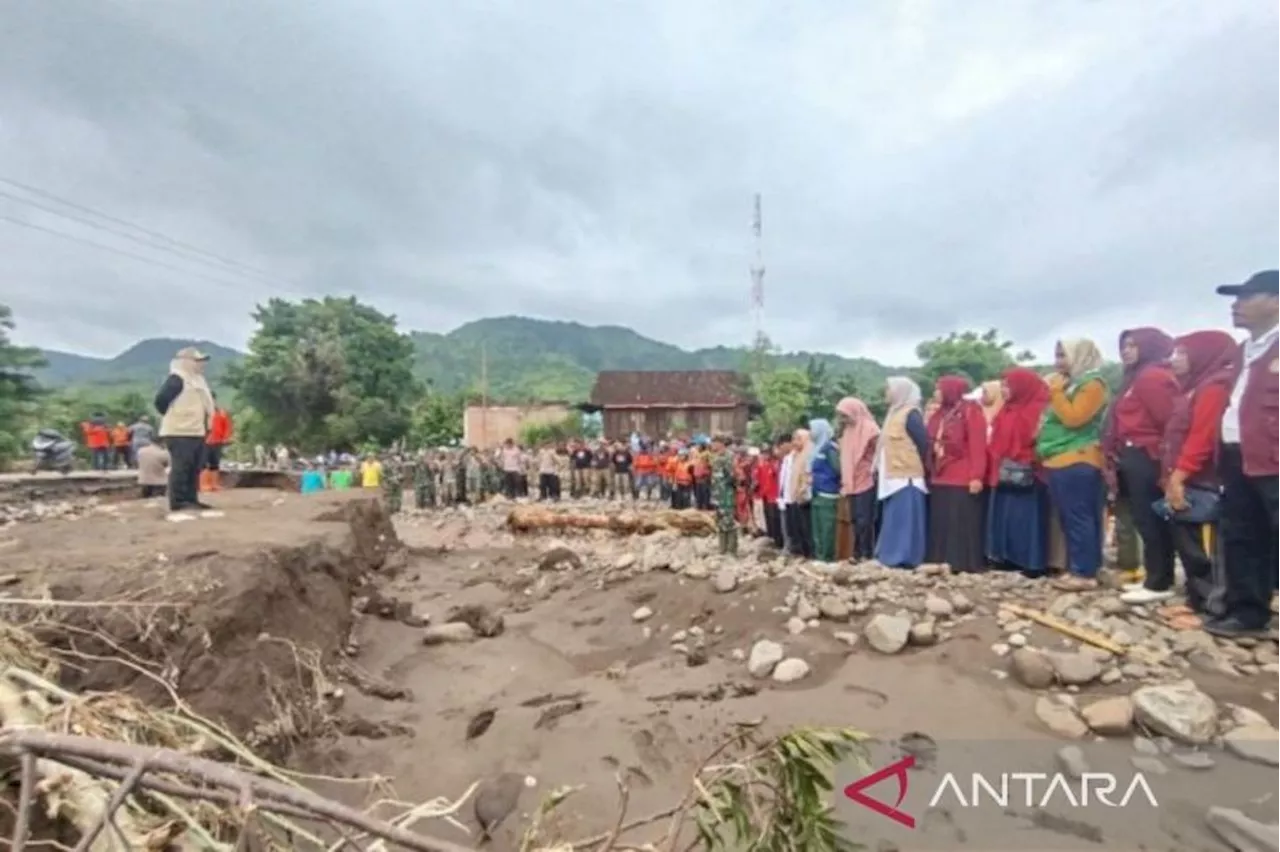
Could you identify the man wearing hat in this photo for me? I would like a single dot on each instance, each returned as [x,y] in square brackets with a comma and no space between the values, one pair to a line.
[1248,460]
[186,407]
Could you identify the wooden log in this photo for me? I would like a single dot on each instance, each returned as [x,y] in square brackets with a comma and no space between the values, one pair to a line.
[542,519]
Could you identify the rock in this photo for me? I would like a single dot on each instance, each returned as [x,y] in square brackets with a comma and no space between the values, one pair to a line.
[1244,717]
[559,559]
[1075,669]
[439,634]
[1017,640]
[1060,719]
[790,669]
[1257,743]
[888,634]
[642,614]
[1149,765]
[1110,676]
[765,654]
[696,656]
[697,571]
[938,607]
[1143,745]
[480,619]
[961,604]
[625,561]
[833,608]
[795,625]
[725,580]
[848,637]
[805,610]
[1193,760]
[1111,717]
[1031,668]
[1000,649]
[1178,710]
[924,634]
[1072,761]
[1242,833]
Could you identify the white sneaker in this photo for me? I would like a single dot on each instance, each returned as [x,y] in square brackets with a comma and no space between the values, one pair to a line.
[1145,596]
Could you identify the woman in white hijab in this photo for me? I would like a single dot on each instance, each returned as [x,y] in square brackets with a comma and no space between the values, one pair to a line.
[901,461]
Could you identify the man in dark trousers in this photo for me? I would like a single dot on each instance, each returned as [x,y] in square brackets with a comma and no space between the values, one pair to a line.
[1247,463]
[185,405]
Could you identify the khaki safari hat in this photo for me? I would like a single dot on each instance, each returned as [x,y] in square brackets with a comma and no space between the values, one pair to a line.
[192,353]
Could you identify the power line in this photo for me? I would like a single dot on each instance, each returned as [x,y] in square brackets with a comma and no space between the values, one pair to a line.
[73,238]
[126,223]
[188,256]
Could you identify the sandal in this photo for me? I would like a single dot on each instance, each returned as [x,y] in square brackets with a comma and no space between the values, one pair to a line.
[1175,611]
[1075,584]
[1185,621]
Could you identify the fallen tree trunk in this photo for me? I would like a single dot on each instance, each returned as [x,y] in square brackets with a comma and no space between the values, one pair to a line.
[539,518]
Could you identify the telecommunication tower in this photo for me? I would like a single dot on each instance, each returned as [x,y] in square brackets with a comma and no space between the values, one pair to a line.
[757,285]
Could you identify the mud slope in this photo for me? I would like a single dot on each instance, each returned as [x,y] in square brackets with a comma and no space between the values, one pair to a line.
[232,612]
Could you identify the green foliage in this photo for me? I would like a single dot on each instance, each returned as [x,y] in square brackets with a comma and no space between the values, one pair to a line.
[327,374]
[537,434]
[980,357]
[784,394]
[437,420]
[19,391]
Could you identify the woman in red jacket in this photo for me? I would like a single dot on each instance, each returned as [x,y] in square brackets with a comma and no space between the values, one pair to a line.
[1131,449]
[1017,535]
[958,434]
[767,469]
[1206,364]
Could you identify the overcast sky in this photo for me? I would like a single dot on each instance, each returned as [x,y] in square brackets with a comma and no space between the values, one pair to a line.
[1052,168]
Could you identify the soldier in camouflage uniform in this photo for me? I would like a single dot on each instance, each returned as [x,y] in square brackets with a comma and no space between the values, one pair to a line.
[393,484]
[490,475]
[722,493]
[424,482]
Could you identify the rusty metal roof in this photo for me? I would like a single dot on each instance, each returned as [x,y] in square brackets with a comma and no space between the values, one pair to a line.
[670,389]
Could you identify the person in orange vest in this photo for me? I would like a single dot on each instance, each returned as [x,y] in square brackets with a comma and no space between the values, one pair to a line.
[120,446]
[97,438]
[682,480]
[220,434]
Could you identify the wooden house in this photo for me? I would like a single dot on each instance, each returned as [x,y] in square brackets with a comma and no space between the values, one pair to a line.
[659,403]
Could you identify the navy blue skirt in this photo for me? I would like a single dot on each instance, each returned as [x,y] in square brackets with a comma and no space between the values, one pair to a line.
[904,529]
[1016,534]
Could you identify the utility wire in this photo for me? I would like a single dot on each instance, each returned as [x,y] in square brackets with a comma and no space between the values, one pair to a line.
[118,221]
[123,253]
[189,256]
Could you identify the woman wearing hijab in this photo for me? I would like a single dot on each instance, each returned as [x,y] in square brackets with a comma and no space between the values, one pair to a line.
[1016,533]
[858,437]
[958,437]
[1131,446]
[824,467]
[992,400]
[1206,364]
[800,494]
[1070,449]
[901,461]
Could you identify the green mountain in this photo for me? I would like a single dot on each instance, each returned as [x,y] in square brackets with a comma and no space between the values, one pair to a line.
[521,358]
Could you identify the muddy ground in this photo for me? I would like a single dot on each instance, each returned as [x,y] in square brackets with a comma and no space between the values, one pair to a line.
[280,579]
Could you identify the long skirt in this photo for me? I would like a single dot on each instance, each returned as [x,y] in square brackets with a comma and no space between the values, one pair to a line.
[844,529]
[1016,535]
[1078,493]
[823,512]
[903,528]
[955,528]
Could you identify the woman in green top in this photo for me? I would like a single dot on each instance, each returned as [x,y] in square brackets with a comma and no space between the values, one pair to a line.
[340,479]
[1070,450]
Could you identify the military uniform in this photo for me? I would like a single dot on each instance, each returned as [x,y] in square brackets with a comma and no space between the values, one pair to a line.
[424,484]
[449,481]
[393,485]
[722,493]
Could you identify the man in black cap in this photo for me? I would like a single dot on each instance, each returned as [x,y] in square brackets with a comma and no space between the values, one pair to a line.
[1248,461]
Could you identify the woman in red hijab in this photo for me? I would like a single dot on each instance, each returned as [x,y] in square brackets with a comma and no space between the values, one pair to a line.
[958,435]
[1131,440]
[1206,364]
[1016,508]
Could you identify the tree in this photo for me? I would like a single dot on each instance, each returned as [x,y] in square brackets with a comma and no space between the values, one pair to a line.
[784,395]
[327,374]
[980,357]
[19,391]
[437,420]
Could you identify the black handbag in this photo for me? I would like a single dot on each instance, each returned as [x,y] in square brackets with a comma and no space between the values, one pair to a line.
[1016,475]
[1203,507]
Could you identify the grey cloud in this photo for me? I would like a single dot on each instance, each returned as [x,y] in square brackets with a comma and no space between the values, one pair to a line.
[925,166]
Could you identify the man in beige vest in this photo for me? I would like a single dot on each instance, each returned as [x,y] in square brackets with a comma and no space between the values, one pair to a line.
[185,406]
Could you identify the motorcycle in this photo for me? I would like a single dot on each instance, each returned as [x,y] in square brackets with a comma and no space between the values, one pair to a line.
[53,451]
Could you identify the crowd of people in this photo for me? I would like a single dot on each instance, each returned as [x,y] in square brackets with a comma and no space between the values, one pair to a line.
[1025,473]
